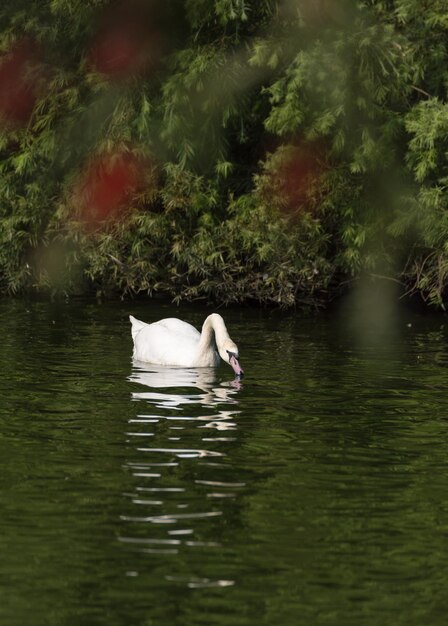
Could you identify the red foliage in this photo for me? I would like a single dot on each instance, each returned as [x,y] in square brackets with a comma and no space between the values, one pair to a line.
[298,175]
[18,84]
[108,185]
[127,42]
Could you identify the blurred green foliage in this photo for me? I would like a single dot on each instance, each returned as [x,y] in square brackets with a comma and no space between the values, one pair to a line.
[289,147]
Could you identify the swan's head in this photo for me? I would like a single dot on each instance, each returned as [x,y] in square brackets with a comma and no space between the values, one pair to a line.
[228,352]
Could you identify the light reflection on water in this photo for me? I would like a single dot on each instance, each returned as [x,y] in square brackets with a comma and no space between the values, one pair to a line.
[163,413]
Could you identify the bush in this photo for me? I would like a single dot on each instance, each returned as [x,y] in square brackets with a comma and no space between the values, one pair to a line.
[224,150]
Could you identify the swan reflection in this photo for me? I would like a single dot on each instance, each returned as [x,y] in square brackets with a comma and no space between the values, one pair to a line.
[172,380]
[178,466]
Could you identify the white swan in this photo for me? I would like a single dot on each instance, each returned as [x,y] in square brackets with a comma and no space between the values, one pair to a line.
[174,342]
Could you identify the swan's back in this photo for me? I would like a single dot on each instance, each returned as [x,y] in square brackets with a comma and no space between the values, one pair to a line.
[178,327]
[167,342]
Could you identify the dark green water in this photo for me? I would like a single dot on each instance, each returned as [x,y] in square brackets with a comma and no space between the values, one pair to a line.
[317,493]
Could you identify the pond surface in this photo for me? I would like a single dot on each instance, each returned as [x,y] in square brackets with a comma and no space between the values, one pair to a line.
[316,492]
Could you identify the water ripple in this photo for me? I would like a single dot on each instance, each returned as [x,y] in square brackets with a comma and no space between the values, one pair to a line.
[178,405]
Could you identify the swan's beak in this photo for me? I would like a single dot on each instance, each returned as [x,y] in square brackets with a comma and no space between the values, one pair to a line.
[239,372]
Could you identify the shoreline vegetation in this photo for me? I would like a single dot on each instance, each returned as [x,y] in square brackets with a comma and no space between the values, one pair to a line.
[270,152]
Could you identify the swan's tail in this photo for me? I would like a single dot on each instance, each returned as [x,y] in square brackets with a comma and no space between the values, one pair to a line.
[137,325]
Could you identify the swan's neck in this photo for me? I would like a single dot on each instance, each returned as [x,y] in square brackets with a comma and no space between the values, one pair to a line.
[214,333]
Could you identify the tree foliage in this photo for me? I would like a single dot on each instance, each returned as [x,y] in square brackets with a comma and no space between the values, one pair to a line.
[228,149]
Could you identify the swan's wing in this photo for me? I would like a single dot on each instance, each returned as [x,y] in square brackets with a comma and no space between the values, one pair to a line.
[168,342]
